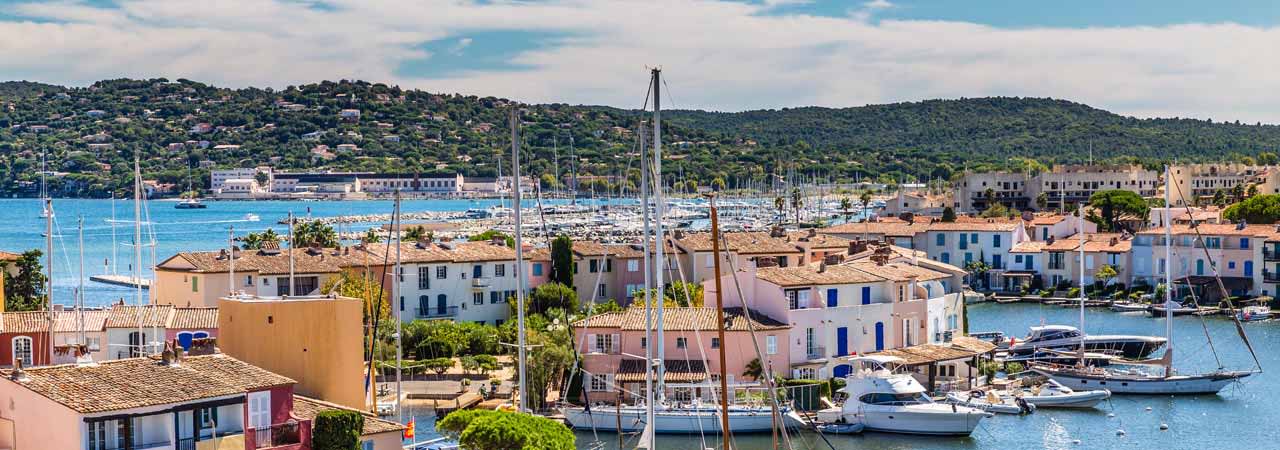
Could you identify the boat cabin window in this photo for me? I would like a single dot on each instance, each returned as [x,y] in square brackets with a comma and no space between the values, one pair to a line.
[885,398]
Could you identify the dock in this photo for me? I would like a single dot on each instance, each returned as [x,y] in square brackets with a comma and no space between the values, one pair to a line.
[122,280]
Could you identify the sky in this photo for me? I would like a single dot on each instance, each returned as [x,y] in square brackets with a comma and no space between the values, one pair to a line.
[1146,58]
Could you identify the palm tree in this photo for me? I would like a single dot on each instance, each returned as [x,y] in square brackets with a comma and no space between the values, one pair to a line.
[754,369]
[372,236]
[797,201]
[846,205]
[415,234]
[865,198]
[314,233]
[779,203]
[251,241]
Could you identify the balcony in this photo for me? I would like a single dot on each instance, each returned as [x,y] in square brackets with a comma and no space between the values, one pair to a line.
[1270,277]
[812,353]
[1270,254]
[480,282]
[291,435]
[436,312]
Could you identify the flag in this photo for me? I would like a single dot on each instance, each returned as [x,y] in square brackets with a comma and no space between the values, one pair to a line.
[408,431]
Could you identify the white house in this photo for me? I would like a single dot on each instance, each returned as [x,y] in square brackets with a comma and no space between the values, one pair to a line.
[460,281]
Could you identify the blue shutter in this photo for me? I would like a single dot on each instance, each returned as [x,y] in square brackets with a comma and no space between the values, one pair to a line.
[866,295]
[833,297]
[1248,268]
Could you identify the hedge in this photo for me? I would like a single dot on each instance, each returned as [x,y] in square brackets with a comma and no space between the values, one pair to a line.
[337,430]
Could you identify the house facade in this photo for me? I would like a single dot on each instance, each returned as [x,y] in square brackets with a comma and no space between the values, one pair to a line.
[461,281]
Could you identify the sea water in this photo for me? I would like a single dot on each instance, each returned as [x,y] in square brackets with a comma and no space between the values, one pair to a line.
[1237,418]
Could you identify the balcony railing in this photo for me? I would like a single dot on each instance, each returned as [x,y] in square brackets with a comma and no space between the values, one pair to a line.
[278,435]
[815,352]
[480,282]
[448,311]
[1270,255]
[1270,277]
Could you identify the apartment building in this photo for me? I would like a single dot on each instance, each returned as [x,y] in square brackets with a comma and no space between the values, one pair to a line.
[116,332]
[1061,259]
[1194,182]
[201,278]
[461,281]
[1233,251]
[744,249]
[1067,185]
[986,240]
[210,401]
[891,230]
[690,351]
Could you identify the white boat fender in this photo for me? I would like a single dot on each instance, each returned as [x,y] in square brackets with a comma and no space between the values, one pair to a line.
[1148,408]
[1075,441]
[1110,415]
[1164,426]
[1120,432]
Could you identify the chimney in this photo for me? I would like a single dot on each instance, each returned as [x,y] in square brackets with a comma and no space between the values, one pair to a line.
[1115,241]
[498,240]
[678,234]
[1050,240]
[18,374]
[834,258]
[813,232]
[776,232]
[166,357]
[822,267]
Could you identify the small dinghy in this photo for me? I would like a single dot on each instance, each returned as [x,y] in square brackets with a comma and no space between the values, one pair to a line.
[990,402]
[1254,313]
[1130,307]
[1176,309]
[1052,394]
[840,428]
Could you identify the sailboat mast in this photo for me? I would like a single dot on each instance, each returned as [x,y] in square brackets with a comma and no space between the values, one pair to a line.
[395,291]
[724,379]
[648,293]
[291,289]
[1080,233]
[137,250]
[515,198]
[115,267]
[657,224]
[80,292]
[1168,275]
[231,258]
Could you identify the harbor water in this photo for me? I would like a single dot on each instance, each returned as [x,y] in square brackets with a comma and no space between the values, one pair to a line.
[1236,418]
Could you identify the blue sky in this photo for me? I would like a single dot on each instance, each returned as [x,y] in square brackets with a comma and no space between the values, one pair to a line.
[1144,58]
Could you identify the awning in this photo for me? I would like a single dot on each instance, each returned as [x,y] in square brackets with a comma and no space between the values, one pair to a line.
[960,347]
[1018,274]
[1231,283]
[677,371]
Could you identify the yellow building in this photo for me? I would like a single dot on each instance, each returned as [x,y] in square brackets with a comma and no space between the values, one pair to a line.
[314,340]
[199,279]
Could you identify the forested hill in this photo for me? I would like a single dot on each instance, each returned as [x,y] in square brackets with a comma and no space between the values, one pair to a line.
[91,134]
[989,130]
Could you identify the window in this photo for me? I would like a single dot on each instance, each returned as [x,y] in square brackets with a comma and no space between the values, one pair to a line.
[682,342]
[493,296]
[715,342]
[499,270]
[22,351]
[601,293]
[1248,268]
[95,344]
[266,281]
[606,343]
[477,298]
[866,295]
[477,271]
[941,239]
[248,280]
[424,278]
[366,445]
[1231,265]
[973,238]
[644,342]
[593,266]
[798,298]
[710,261]
[599,382]
[259,409]
[995,240]
[442,272]
[608,265]
[771,344]
[633,265]
[208,417]
[537,269]
[946,258]
[1244,243]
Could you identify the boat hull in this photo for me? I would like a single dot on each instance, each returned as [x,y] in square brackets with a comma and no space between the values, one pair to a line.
[1134,348]
[932,422]
[1086,399]
[704,420]
[1138,385]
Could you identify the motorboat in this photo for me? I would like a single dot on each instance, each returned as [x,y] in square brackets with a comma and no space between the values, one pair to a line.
[691,418]
[989,401]
[1134,381]
[1065,337]
[251,217]
[1063,357]
[839,428]
[1052,394]
[1174,308]
[1254,313]
[882,396]
[190,203]
[1130,307]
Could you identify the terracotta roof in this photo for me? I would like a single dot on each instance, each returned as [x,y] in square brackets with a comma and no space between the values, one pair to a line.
[1028,247]
[26,322]
[810,275]
[1216,229]
[308,408]
[683,319]
[1094,243]
[744,243]
[966,225]
[304,261]
[894,228]
[126,316]
[7,256]
[960,347]
[898,271]
[194,318]
[69,321]
[145,382]
[818,241]
[677,371]
[1048,219]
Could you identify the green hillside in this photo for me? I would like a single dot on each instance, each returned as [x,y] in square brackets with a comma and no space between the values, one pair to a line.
[92,133]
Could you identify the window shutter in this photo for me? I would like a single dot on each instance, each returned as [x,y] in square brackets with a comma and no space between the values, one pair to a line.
[615,343]
[591,343]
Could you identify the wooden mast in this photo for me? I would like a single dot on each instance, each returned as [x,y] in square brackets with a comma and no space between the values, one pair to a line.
[724,380]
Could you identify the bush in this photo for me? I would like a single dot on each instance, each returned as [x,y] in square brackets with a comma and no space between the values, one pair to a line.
[438,365]
[500,430]
[337,430]
[1046,293]
[988,368]
[1073,292]
[1014,367]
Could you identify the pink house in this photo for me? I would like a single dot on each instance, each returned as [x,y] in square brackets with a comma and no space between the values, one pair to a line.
[613,346]
[212,401]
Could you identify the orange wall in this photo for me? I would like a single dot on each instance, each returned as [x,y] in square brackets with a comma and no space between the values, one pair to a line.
[315,341]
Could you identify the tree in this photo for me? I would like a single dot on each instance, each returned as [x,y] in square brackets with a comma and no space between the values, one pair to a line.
[1259,209]
[865,199]
[262,178]
[845,206]
[25,291]
[562,260]
[314,233]
[1268,159]
[486,363]
[1114,203]
[552,295]
[1237,193]
[415,234]
[753,369]
[1253,191]
[1042,201]
[477,429]
[372,237]
[995,210]
[469,364]
[439,365]
[780,204]
[977,270]
[352,284]
[717,184]
[489,235]
[685,294]
[1105,274]
[607,306]
[337,429]
[948,214]
[797,202]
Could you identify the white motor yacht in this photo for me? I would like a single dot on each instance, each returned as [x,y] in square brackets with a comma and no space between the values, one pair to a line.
[1064,337]
[882,397]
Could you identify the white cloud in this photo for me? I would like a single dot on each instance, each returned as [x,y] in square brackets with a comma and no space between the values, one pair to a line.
[459,46]
[721,55]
